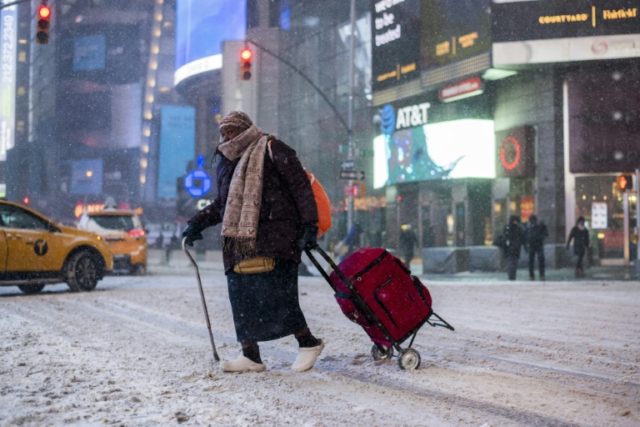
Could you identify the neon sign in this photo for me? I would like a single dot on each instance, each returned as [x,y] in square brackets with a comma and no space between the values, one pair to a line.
[511,147]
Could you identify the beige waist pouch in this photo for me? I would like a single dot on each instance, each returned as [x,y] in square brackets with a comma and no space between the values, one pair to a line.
[260,264]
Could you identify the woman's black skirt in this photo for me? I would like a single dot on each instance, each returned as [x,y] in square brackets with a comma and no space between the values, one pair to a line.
[265,306]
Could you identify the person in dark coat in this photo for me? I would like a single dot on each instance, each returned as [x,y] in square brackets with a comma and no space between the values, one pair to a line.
[535,233]
[407,243]
[580,236]
[267,209]
[513,240]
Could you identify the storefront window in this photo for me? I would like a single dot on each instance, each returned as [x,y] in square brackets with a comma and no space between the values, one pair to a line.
[601,203]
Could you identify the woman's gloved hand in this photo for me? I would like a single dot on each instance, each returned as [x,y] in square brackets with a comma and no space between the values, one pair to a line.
[192,233]
[309,238]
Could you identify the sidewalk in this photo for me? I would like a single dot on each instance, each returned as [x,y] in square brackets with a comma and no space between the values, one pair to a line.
[212,261]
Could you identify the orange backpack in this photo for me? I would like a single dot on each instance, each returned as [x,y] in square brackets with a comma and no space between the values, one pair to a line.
[322,202]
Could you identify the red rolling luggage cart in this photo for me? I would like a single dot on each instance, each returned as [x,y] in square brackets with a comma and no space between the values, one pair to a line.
[377,291]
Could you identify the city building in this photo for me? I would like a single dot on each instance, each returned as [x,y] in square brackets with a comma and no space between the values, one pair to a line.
[303,91]
[506,108]
[86,104]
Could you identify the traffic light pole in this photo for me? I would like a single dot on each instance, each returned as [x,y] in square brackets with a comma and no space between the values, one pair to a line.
[637,262]
[351,144]
[625,208]
[13,3]
[348,125]
[305,77]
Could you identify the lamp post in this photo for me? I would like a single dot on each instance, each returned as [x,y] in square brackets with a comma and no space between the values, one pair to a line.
[637,187]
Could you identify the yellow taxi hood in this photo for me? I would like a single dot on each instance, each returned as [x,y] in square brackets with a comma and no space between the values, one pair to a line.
[77,232]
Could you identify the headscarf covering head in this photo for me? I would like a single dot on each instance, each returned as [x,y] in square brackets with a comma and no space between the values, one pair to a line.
[236,119]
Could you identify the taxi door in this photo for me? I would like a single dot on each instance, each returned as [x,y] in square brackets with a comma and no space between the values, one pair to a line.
[3,251]
[31,246]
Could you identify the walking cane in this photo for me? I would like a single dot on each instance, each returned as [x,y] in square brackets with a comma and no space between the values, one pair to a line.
[204,304]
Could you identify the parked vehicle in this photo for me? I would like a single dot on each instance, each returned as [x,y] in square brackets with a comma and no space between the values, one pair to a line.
[125,235]
[36,251]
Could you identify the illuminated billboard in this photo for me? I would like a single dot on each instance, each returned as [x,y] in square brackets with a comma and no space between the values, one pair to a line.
[435,151]
[101,53]
[202,26]
[534,32]
[177,147]
[395,42]
[8,50]
[454,30]
[89,52]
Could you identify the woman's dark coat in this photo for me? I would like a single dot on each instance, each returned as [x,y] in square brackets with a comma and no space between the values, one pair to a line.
[287,204]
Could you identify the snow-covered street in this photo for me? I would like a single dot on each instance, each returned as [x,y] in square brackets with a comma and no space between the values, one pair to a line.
[136,352]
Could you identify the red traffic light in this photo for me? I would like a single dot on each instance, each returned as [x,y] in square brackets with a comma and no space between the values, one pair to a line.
[44,12]
[245,63]
[246,54]
[43,19]
[624,182]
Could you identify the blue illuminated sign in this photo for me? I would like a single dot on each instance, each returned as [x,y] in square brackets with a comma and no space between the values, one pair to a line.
[197,182]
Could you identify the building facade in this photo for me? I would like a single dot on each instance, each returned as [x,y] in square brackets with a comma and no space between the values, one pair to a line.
[464,112]
[87,100]
[556,92]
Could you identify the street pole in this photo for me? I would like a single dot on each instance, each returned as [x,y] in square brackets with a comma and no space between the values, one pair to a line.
[637,187]
[350,143]
[625,208]
[13,3]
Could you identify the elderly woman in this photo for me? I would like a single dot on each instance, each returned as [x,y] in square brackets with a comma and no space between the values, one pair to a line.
[268,215]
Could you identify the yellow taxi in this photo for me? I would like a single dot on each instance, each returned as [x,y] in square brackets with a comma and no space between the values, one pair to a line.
[35,251]
[123,231]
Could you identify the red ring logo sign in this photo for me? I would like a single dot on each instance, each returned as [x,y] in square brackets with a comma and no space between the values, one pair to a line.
[510,146]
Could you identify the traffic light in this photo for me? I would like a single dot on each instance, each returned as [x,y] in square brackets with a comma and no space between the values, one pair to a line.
[43,22]
[246,55]
[624,182]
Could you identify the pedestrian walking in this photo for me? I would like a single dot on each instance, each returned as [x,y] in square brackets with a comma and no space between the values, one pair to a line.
[160,241]
[174,244]
[580,237]
[268,215]
[513,240]
[407,243]
[535,233]
[350,243]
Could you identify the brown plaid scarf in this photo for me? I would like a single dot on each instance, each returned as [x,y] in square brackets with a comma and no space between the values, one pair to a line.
[242,212]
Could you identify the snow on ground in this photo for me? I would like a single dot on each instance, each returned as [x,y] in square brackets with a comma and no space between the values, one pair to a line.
[136,352]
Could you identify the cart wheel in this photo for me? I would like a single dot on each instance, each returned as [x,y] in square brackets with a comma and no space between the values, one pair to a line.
[381,353]
[409,359]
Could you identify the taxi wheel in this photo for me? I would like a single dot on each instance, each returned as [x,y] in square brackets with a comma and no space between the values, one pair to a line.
[139,270]
[82,272]
[31,289]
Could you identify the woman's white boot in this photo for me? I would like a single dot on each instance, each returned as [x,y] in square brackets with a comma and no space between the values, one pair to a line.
[307,357]
[242,364]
